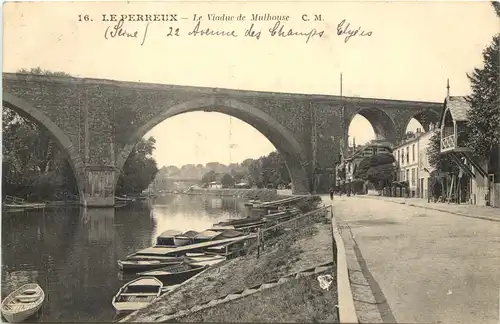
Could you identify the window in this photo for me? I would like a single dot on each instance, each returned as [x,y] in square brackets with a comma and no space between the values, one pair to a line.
[407,175]
[413,152]
[407,154]
[413,176]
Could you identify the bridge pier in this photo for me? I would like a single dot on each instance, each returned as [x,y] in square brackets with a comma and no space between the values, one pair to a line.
[99,187]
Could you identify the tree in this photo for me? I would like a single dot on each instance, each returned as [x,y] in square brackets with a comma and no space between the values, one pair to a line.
[39,71]
[33,165]
[484,115]
[209,177]
[227,181]
[139,170]
[496,6]
[378,169]
[381,175]
[441,162]
[246,163]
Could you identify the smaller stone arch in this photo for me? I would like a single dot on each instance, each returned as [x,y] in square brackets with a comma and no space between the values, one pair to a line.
[383,125]
[282,139]
[425,117]
[25,109]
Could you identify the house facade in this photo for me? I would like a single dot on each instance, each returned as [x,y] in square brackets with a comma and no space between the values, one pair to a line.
[406,155]
[412,162]
[424,168]
[482,174]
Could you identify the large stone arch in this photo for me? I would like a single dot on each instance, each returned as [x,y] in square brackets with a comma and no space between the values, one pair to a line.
[27,110]
[383,125]
[282,139]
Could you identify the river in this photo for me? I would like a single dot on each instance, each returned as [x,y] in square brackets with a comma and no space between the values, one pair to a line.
[72,253]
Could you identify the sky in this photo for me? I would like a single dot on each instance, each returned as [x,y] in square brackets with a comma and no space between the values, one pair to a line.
[413,49]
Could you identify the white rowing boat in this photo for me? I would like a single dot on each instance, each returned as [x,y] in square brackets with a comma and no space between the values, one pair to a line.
[23,303]
[137,294]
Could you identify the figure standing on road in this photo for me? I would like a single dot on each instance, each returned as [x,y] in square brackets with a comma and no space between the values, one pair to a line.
[331,193]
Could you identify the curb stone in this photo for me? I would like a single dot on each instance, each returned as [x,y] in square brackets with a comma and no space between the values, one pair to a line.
[346,308]
[365,303]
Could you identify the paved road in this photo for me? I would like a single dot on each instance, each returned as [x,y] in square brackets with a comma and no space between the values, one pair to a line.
[430,266]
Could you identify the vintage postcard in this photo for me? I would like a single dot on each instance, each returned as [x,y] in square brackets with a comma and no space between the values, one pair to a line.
[230,161]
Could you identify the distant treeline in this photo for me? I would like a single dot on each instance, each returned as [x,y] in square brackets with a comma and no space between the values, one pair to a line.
[269,170]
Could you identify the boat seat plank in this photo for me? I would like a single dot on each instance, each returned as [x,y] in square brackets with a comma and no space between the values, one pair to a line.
[138,294]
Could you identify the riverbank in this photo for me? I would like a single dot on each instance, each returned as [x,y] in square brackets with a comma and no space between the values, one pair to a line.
[280,285]
[261,194]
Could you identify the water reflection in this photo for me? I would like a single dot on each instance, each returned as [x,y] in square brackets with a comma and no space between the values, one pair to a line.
[72,253]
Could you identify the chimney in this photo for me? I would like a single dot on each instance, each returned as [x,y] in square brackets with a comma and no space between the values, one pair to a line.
[447,89]
[354,142]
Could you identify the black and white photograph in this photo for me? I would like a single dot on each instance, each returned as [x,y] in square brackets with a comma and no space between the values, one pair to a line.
[251,161]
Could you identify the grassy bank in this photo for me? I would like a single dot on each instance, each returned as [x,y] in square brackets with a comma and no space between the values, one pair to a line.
[298,300]
[288,250]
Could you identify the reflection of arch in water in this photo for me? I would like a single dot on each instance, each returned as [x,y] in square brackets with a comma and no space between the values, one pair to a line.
[98,224]
[216,203]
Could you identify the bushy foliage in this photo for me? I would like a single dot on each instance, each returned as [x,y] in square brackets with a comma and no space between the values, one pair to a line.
[40,71]
[227,181]
[270,169]
[209,177]
[484,115]
[378,169]
[33,166]
[139,169]
[441,162]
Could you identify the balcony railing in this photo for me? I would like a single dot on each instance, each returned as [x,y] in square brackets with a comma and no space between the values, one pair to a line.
[448,143]
[454,143]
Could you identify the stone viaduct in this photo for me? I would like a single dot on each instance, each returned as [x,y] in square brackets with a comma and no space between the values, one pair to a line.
[98,122]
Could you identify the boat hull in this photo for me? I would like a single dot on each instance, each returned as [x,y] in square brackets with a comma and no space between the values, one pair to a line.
[124,301]
[181,241]
[176,278]
[23,303]
[21,317]
[132,266]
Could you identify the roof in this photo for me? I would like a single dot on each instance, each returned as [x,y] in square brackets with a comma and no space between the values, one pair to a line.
[458,107]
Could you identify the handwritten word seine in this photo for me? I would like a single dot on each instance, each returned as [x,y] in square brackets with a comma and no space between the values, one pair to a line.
[118,31]
[344,29]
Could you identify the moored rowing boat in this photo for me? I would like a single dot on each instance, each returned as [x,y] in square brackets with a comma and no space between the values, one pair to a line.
[23,303]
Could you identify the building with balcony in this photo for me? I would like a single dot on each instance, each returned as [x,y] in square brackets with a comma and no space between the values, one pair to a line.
[483,186]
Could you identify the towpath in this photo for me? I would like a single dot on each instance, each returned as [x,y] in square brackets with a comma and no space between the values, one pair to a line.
[413,264]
